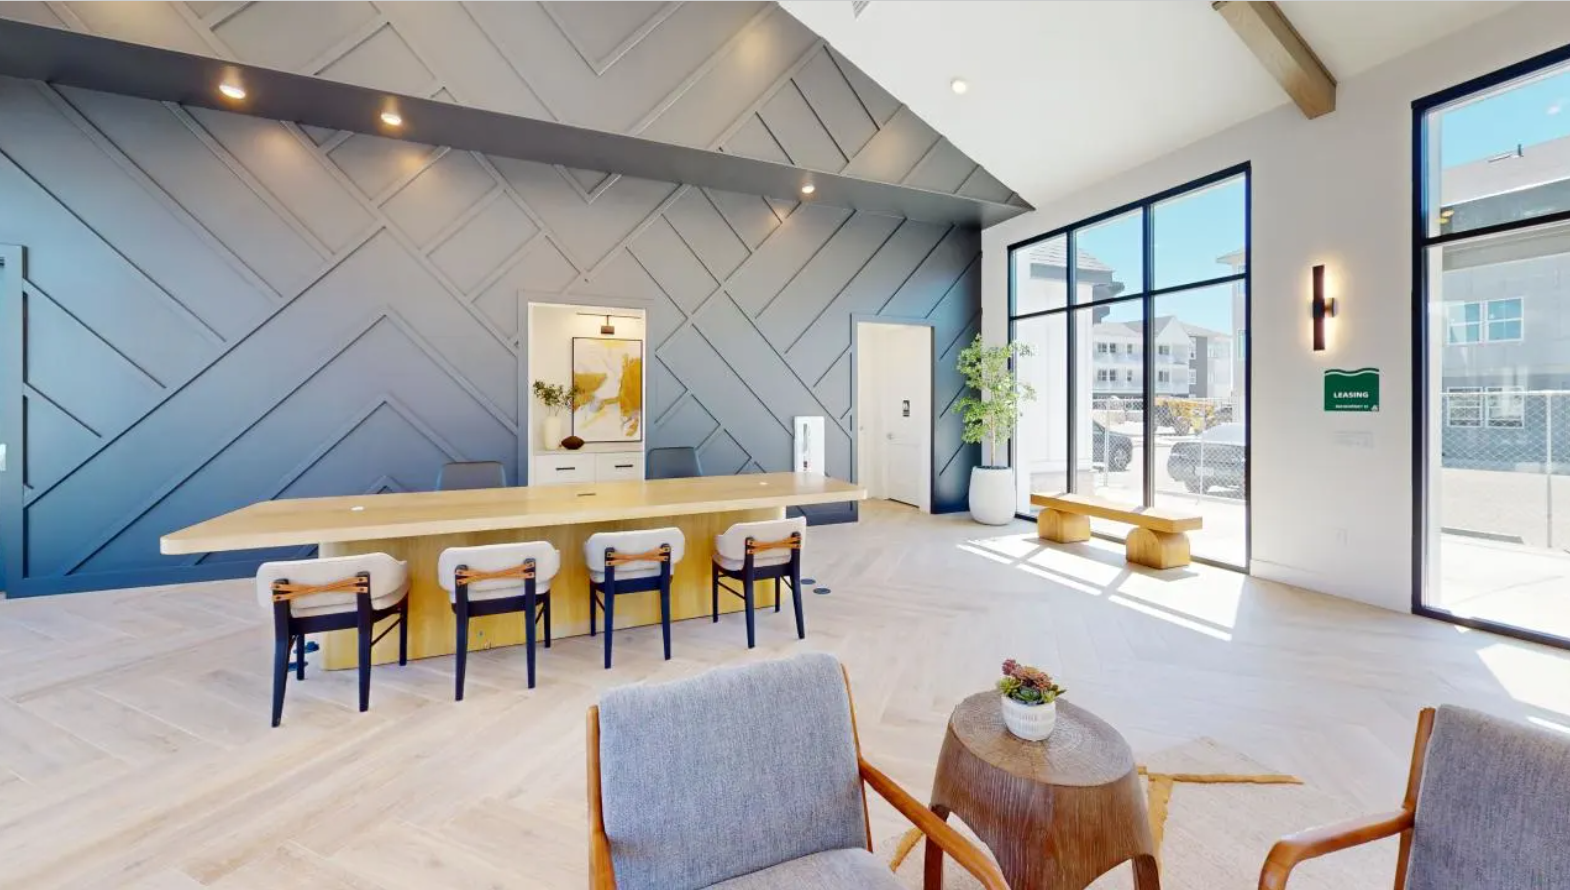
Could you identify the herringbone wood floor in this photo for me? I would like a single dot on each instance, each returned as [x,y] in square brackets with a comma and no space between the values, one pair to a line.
[135,751]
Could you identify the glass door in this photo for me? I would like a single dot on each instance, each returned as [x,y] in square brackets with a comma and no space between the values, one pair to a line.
[1493,269]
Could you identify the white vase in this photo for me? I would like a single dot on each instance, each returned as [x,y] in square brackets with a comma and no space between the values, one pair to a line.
[992,495]
[550,433]
[1033,723]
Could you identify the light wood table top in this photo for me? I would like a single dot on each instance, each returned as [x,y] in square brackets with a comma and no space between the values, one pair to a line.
[365,517]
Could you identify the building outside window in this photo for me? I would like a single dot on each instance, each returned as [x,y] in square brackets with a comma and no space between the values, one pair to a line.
[1491,321]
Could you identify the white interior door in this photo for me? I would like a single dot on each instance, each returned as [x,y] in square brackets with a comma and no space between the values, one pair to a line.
[894,389]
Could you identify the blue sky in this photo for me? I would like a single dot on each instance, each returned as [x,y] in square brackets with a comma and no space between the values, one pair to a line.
[1526,115]
[1191,233]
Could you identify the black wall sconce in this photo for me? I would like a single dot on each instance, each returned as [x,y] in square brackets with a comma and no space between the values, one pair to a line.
[1321,308]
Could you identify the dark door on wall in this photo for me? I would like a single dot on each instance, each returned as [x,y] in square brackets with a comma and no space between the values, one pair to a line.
[13,313]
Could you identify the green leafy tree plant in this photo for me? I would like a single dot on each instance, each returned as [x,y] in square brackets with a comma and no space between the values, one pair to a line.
[1028,685]
[556,397]
[992,411]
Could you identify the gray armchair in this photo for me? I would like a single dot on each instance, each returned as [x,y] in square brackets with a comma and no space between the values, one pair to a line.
[746,778]
[1485,810]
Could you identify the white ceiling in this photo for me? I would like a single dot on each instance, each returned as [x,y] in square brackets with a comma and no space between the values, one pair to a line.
[1069,92]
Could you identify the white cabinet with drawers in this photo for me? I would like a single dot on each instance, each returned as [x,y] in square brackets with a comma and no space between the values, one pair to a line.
[563,467]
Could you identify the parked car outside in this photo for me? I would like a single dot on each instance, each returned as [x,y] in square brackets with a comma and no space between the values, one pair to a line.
[1113,449]
[1217,457]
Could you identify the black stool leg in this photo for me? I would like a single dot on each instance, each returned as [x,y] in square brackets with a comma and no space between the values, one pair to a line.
[280,675]
[746,589]
[403,631]
[461,650]
[801,626]
[665,615]
[365,657]
[714,592]
[594,610]
[299,667]
[547,621]
[610,621]
[529,606]
[778,592]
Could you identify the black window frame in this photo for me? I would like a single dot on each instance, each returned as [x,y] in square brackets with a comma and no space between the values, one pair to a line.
[1423,333]
[1147,295]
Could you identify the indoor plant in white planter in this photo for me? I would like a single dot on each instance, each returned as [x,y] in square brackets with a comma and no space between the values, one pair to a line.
[990,414]
[556,398]
[1030,701]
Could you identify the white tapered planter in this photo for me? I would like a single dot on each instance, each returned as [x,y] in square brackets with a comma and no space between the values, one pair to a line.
[1033,723]
[992,495]
[550,434]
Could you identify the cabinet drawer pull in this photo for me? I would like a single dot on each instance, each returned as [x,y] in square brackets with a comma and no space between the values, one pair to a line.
[565,469]
[624,466]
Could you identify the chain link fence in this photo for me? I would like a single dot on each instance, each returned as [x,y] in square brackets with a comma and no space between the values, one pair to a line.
[1505,464]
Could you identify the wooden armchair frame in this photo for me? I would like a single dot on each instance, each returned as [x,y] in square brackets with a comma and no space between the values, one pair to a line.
[602,872]
[1316,842]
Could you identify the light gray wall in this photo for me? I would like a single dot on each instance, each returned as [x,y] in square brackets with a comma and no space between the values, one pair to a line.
[224,309]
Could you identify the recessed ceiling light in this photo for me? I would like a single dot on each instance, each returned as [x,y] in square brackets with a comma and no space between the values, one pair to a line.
[808,189]
[959,86]
[392,118]
[233,91]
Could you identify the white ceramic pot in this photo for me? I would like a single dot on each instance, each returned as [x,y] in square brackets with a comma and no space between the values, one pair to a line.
[992,495]
[550,433]
[1032,723]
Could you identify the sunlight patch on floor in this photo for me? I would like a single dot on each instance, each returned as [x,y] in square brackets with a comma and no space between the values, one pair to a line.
[1198,598]
[1532,676]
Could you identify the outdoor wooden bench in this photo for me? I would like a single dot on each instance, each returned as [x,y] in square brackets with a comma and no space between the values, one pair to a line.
[1159,539]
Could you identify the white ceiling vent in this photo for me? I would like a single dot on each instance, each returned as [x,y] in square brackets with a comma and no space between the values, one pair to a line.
[858,6]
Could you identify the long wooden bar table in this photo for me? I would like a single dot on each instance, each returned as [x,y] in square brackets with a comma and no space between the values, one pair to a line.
[417,527]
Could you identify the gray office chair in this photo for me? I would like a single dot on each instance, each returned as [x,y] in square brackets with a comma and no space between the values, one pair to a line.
[471,474]
[673,463]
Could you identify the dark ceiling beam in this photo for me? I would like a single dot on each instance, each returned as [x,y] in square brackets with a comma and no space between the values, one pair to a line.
[72,59]
[1268,34]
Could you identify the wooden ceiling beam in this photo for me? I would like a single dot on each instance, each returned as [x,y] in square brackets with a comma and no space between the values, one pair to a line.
[1267,33]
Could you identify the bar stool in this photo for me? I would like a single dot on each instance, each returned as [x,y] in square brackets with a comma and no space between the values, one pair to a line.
[631,562]
[494,579]
[758,551]
[310,596]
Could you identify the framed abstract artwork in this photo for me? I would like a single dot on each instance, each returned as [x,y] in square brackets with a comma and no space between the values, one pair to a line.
[607,379]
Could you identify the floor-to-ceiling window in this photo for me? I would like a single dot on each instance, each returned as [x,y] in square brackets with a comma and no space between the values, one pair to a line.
[1492,264]
[1138,319]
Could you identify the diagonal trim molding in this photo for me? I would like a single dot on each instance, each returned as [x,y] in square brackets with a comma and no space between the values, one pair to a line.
[370,292]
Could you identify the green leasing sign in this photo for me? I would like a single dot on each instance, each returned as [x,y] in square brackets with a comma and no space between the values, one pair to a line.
[1352,390]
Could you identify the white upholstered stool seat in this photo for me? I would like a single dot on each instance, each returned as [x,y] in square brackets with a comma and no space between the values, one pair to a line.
[389,582]
[495,558]
[776,556]
[484,596]
[730,547]
[624,576]
[632,542]
[289,589]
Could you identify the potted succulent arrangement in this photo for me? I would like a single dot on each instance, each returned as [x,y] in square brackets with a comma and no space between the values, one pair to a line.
[990,414]
[1030,697]
[556,398]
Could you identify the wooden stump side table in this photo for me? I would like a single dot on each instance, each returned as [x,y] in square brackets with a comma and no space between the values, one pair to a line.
[1057,814]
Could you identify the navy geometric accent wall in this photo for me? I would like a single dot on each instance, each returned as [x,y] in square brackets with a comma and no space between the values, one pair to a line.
[222,309]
